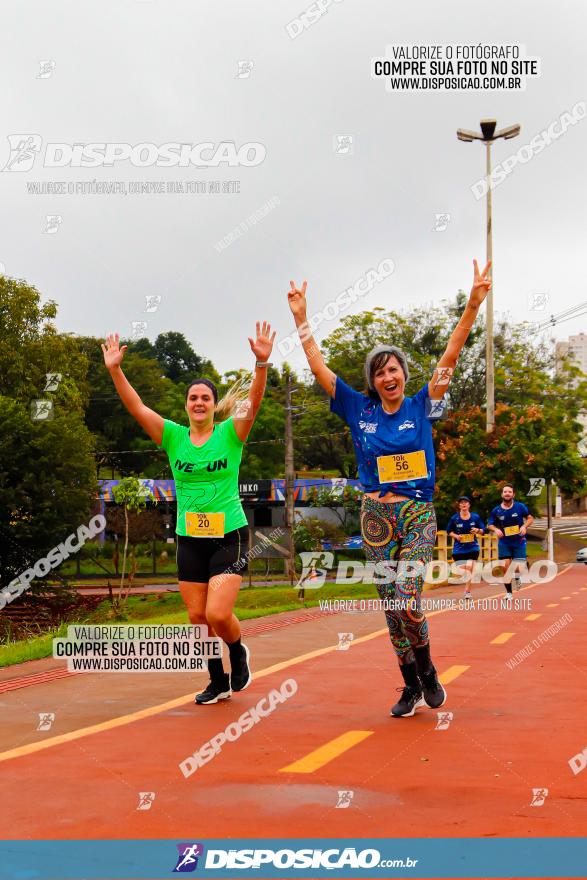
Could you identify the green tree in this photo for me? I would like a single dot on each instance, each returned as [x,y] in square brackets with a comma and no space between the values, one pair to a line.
[528,389]
[133,497]
[32,348]
[122,445]
[176,357]
[264,452]
[321,440]
[421,333]
[528,441]
[344,503]
[47,469]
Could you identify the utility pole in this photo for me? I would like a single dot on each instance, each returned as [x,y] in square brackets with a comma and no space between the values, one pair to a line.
[489,363]
[289,481]
[488,136]
[549,532]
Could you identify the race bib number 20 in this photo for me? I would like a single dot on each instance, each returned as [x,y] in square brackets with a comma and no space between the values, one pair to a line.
[402,467]
[204,525]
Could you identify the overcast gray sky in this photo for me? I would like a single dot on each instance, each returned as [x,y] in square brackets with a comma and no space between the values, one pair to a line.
[148,71]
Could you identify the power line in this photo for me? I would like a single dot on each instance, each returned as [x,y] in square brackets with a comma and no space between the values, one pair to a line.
[569,314]
[279,440]
[546,326]
[572,309]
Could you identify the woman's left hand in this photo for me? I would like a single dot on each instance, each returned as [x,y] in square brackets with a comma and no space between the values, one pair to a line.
[481,284]
[263,344]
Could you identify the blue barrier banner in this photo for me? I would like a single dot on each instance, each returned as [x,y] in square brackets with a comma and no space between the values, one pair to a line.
[383,858]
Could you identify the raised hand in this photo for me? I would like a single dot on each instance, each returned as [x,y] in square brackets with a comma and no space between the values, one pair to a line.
[263,344]
[481,284]
[113,353]
[297,299]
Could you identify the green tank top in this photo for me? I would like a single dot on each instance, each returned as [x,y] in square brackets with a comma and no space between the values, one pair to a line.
[206,478]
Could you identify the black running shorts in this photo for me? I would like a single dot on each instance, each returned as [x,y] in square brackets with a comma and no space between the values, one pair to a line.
[199,559]
[469,554]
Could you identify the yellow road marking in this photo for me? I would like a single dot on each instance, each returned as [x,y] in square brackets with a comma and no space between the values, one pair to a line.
[564,598]
[501,638]
[327,753]
[122,720]
[552,605]
[451,673]
[533,616]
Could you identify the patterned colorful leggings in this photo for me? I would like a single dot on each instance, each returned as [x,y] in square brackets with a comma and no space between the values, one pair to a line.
[404,531]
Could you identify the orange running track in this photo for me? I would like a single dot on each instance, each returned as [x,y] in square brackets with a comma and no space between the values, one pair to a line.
[512,730]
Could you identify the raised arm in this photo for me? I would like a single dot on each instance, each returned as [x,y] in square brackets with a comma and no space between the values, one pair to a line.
[324,375]
[261,347]
[443,373]
[147,418]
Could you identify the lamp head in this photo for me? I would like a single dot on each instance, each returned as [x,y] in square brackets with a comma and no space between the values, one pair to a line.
[510,131]
[464,135]
[488,128]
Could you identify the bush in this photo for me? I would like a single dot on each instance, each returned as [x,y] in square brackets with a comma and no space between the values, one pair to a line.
[309,533]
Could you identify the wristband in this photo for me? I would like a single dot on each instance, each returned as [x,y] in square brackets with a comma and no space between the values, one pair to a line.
[263,364]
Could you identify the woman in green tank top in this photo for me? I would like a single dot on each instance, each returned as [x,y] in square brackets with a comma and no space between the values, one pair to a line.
[211,528]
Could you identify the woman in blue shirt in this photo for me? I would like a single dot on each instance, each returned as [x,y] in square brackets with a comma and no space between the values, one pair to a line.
[392,436]
[464,527]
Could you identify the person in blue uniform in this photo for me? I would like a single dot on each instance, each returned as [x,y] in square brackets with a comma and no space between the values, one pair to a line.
[392,436]
[510,521]
[465,527]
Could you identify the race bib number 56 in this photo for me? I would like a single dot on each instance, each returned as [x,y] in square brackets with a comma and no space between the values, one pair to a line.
[402,467]
[511,530]
[204,525]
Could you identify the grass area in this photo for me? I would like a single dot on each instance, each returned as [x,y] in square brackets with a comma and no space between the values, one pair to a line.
[534,550]
[169,608]
[30,649]
[142,580]
[91,567]
[166,571]
[252,602]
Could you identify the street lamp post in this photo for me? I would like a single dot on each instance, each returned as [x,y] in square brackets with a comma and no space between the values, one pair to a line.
[488,136]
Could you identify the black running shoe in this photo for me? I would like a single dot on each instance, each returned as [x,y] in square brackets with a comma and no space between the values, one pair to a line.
[434,693]
[240,676]
[407,704]
[214,692]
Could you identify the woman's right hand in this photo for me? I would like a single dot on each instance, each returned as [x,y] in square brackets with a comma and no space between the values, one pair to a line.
[297,300]
[113,353]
